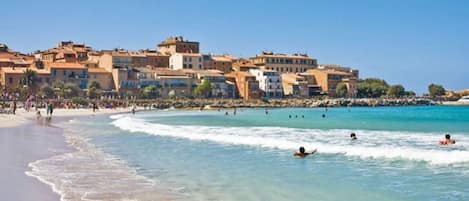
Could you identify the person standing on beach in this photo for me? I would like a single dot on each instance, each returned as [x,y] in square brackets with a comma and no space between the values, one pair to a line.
[50,109]
[14,107]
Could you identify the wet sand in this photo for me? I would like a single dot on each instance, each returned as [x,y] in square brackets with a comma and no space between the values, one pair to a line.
[19,146]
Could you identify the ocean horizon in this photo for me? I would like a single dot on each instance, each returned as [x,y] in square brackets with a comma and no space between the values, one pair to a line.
[220,155]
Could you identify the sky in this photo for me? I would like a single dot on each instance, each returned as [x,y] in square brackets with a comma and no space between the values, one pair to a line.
[408,42]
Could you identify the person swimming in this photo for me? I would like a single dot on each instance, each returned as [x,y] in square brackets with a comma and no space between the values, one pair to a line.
[323,115]
[302,152]
[447,140]
[353,136]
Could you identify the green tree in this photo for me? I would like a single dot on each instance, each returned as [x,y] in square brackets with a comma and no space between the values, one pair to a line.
[372,88]
[396,91]
[79,101]
[435,90]
[46,91]
[410,93]
[70,90]
[58,87]
[29,79]
[93,89]
[341,90]
[203,89]
[150,91]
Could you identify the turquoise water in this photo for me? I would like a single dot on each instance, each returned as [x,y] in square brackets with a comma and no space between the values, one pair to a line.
[193,155]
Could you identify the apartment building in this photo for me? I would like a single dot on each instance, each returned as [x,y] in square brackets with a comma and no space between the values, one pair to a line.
[186,61]
[156,59]
[284,63]
[270,82]
[178,45]
[328,79]
[244,65]
[101,76]
[246,84]
[69,73]
[299,85]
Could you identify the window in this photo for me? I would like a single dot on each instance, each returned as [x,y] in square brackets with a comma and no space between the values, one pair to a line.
[200,66]
[10,80]
[54,72]
[190,66]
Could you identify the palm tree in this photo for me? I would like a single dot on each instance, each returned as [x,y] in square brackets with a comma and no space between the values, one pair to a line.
[93,89]
[29,79]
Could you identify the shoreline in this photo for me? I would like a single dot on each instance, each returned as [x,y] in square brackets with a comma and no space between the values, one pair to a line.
[23,145]
[25,140]
[280,103]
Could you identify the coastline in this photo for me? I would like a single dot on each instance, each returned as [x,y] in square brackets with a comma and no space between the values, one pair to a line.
[282,103]
[20,146]
[25,140]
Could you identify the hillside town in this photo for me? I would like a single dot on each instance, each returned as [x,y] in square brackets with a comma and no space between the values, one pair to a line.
[176,69]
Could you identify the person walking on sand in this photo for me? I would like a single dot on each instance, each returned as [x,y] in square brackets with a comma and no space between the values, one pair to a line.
[14,107]
[50,109]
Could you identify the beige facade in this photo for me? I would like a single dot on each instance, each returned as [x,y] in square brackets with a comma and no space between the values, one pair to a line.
[66,51]
[156,59]
[246,84]
[10,77]
[243,65]
[284,63]
[300,85]
[101,76]
[222,64]
[178,45]
[328,79]
[69,73]
[111,59]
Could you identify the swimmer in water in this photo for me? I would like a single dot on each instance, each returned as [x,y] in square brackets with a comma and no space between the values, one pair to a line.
[302,153]
[353,136]
[447,140]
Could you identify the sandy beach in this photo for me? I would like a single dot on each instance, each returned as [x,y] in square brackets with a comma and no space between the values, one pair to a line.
[23,140]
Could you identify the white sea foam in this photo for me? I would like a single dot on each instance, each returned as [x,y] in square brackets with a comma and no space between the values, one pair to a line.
[90,174]
[389,145]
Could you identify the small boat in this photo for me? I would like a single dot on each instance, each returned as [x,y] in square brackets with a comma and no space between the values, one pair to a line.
[464,99]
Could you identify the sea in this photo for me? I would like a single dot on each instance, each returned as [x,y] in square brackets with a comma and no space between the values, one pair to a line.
[246,154]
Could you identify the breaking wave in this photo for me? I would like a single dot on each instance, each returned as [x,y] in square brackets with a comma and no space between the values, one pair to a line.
[389,145]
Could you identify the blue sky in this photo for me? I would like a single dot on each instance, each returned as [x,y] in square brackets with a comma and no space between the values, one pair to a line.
[409,42]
